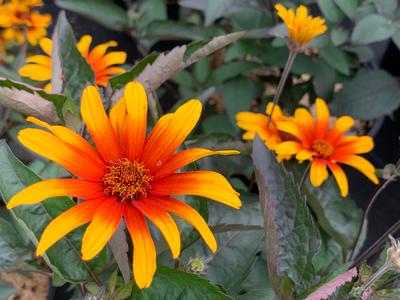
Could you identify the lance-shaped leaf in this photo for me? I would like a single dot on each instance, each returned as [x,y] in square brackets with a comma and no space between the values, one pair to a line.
[175,285]
[30,101]
[119,248]
[292,238]
[167,65]
[64,257]
[70,70]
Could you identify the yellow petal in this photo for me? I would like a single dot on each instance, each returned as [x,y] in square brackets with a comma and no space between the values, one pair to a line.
[340,177]
[84,44]
[69,220]
[323,116]
[46,45]
[136,106]
[289,147]
[40,60]
[163,221]
[117,119]
[361,164]
[105,222]
[144,251]
[318,172]
[35,72]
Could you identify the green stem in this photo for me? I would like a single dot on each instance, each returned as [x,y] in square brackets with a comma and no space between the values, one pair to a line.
[371,280]
[289,63]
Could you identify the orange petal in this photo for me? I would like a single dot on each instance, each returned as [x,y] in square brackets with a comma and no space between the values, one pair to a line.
[136,106]
[340,126]
[251,121]
[70,137]
[318,172]
[49,188]
[69,220]
[185,157]
[191,216]
[323,116]
[355,145]
[200,183]
[105,222]
[163,143]
[99,51]
[117,119]
[99,125]
[71,158]
[305,121]
[288,148]
[359,163]
[291,128]
[84,44]
[144,251]
[304,155]
[163,221]
[340,177]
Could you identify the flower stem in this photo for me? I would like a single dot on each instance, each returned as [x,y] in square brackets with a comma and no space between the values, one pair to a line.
[371,280]
[303,178]
[289,63]
[370,203]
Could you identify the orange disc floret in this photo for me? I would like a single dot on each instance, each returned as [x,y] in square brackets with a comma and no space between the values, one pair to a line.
[103,64]
[126,175]
[326,146]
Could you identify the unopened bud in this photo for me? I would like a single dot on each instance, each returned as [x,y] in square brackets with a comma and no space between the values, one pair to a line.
[393,253]
[196,265]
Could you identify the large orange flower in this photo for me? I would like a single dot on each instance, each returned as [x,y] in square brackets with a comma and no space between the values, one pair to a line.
[302,28]
[38,67]
[126,175]
[259,123]
[326,146]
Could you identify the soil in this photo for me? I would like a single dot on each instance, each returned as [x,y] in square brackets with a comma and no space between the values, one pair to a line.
[35,286]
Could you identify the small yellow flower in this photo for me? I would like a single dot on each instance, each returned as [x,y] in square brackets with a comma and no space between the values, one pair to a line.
[302,28]
[38,67]
[258,123]
[20,23]
[326,146]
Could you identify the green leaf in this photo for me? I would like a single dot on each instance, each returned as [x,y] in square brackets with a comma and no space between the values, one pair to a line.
[74,71]
[13,249]
[324,79]
[369,95]
[336,58]
[396,39]
[104,12]
[216,9]
[6,290]
[348,7]
[386,7]
[30,101]
[339,36]
[193,47]
[238,94]
[119,81]
[172,30]
[150,11]
[248,18]
[372,28]
[231,70]
[64,257]
[291,234]
[176,285]
[330,10]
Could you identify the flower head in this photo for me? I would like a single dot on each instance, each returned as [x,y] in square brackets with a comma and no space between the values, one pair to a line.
[326,146]
[302,28]
[126,175]
[258,123]
[38,67]
[21,23]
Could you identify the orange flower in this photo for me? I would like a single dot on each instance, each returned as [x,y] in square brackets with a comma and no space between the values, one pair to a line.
[326,146]
[302,28]
[127,175]
[257,123]
[21,23]
[38,67]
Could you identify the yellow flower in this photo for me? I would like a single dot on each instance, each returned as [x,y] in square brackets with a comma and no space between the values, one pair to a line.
[257,123]
[302,28]
[126,175]
[38,67]
[21,23]
[326,146]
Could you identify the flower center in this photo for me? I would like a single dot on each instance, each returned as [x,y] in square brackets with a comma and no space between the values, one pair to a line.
[128,180]
[287,136]
[322,148]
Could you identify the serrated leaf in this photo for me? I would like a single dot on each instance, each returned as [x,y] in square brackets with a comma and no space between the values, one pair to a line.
[119,81]
[71,72]
[104,12]
[369,95]
[30,101]
[176,285]
[167,65]
[64,257]
[13,249]
[372,28]
[292,238]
